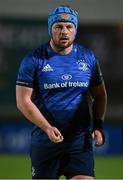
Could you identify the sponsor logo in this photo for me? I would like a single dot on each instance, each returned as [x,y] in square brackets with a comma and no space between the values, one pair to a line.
[82,65]
[47,68]
[66,85]
[66,77]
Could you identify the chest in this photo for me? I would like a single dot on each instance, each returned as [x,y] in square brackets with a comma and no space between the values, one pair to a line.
[62,72]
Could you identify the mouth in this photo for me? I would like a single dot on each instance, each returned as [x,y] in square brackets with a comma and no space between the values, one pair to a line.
[64,38]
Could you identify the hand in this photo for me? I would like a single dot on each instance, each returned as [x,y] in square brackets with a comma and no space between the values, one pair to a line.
[99,137]
[54,134]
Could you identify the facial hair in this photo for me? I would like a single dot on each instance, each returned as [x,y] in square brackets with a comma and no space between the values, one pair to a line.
[59,45]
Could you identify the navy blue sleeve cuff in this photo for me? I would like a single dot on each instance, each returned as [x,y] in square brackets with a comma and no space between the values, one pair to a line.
[23,83]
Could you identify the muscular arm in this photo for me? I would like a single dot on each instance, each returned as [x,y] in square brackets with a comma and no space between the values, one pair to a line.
[99,105]
[99,96]
[32,113]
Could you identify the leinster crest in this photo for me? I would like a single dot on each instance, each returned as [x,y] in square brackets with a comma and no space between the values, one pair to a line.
[82,65]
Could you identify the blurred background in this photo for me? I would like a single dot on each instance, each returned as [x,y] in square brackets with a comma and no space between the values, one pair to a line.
[23,26]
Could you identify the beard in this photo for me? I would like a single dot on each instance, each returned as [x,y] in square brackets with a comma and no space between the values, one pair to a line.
[62,43]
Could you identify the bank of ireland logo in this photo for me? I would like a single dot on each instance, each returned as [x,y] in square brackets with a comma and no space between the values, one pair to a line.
[66,77]
[82,65]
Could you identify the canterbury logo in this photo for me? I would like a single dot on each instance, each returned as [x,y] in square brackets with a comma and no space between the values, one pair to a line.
[46,68]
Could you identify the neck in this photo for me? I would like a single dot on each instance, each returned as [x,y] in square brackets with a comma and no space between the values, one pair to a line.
[61,50]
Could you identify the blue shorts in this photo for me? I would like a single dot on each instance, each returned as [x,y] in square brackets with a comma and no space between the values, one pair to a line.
[70,158]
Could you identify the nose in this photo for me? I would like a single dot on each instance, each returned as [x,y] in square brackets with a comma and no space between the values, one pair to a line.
[64,29]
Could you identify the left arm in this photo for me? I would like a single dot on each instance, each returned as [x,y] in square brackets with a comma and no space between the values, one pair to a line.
[99,96]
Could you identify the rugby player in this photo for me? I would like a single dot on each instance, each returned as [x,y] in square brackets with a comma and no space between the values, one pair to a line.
[56,84]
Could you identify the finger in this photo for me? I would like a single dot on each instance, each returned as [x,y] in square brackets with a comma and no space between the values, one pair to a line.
[97,144]
[57,135]
[58,140]
[98,141]
[57,132]
[93,135]
[98,137]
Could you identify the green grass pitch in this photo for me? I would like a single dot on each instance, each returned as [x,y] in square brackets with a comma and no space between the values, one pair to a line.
[18,167]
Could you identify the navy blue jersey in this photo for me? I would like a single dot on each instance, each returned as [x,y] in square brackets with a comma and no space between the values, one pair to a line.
[61,84]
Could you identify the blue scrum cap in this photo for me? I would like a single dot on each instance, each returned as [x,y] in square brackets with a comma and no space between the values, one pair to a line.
[62,14]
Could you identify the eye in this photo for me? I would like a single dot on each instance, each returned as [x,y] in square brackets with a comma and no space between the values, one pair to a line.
[58,27]
[69,26]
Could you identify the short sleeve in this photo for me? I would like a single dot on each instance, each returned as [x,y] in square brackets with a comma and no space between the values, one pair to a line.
[27,71]
[97,77]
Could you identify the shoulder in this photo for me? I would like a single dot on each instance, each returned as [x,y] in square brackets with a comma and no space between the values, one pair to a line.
[40,52]
[86,53]
[36,54]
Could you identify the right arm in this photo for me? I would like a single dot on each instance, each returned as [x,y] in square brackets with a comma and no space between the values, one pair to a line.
[32,113]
